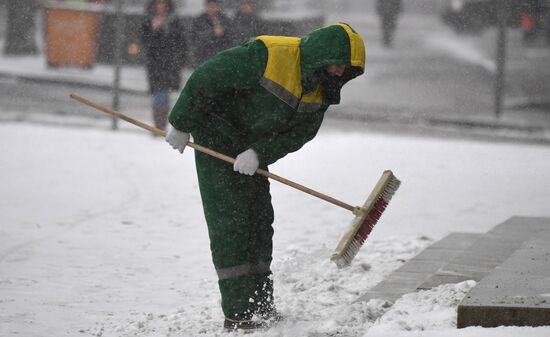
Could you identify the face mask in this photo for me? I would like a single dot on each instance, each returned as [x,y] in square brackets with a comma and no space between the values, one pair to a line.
[331,88]
[332,85]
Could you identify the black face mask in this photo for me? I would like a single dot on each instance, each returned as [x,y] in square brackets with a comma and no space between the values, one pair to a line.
[332,85]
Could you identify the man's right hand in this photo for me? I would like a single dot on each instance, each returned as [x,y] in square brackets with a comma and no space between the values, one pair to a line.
[176,138]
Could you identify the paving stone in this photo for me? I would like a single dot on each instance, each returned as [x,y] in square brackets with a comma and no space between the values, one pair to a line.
[512,260]
[426,267]
[474,263]
[454,241]
[489,251]
[439,254]
[408,277]
[399,281]
[517,293]
[437,280]
[521,225]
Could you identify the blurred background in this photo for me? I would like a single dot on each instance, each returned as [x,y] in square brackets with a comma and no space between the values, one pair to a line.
[432,64]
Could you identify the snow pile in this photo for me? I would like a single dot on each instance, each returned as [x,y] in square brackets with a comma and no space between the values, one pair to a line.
[424,310]
[315,296]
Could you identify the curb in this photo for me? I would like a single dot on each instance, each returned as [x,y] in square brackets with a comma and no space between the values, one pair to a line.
[68,81]
[443,125]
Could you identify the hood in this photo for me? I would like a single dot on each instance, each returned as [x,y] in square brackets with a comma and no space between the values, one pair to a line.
[334,44]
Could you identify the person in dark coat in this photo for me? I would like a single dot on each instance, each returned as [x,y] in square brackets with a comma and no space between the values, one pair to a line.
[211,32]
[388,12]
[246,23]
[163,42]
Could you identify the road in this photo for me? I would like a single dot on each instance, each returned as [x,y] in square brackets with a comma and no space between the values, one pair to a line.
[49,97]
[429,74]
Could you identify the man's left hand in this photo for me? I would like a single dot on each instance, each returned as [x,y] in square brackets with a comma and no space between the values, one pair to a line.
[246,162]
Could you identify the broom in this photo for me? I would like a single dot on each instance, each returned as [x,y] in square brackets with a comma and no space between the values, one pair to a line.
[365,217]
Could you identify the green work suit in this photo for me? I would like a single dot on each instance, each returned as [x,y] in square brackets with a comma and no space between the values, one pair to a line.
[225,108]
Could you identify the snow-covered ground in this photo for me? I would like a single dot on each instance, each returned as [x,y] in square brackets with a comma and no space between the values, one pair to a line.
[102,233]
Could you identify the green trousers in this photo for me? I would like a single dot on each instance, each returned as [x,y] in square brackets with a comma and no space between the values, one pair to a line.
[239,216]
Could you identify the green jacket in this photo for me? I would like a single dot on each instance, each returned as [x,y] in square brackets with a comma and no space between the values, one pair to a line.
[230,93]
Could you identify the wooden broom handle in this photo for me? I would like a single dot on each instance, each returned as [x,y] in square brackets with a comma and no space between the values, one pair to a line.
[214,153]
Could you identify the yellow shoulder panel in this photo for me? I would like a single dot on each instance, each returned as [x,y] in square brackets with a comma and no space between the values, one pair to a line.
[283,62]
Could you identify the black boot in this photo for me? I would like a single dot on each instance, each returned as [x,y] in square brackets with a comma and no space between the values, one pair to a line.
[243,322]
[269,315]
[264,302]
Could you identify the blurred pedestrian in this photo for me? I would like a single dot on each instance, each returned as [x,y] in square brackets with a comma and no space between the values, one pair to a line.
[257,102]
[535,20]
[247,23]
[211,32]
[388,12]
[529,20]
[163,42]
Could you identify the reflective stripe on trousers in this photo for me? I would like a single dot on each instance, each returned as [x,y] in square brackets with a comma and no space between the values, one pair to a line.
[261,267]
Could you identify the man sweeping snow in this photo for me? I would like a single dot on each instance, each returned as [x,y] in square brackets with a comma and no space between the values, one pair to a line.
[257,102]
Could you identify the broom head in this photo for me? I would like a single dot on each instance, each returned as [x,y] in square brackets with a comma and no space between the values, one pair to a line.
[365,219]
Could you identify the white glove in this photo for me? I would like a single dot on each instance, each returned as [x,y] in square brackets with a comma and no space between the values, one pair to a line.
[246,162]
[176,138]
